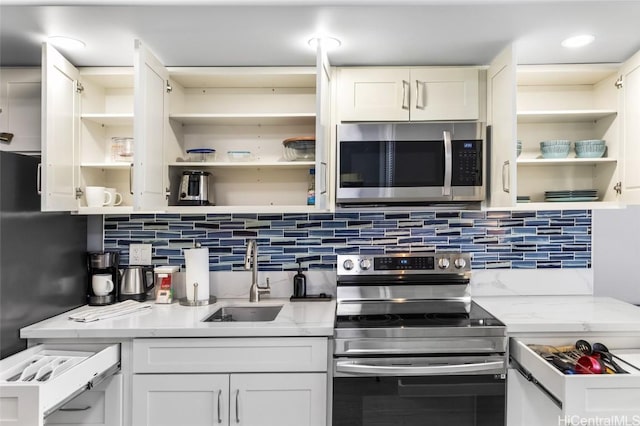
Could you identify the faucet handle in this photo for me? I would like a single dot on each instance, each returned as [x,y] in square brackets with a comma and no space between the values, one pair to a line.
[266,289]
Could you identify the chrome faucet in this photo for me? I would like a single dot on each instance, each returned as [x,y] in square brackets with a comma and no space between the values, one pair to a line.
[251,262]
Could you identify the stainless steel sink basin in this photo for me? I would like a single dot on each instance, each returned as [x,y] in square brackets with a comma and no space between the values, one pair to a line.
[245,313]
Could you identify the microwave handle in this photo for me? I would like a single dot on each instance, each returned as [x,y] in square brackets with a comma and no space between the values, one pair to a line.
[446,189]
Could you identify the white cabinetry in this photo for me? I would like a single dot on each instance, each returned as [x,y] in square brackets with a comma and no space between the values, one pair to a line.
[36,382]
[282,399]
[169,111]
[20,109]
[573,102]
[100,406]
[630,130]
[83,109]
[540,394]
[260,381]
[403,94]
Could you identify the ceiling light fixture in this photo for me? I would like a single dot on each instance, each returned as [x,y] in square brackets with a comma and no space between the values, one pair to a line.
[577,41]
[66,42]
[328,42]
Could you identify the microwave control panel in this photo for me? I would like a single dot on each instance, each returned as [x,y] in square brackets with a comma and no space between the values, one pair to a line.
[466,162]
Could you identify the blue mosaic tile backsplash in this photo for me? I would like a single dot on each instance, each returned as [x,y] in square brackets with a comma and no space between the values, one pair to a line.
[496,239]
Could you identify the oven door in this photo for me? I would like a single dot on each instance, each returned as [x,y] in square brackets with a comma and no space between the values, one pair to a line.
[408,392]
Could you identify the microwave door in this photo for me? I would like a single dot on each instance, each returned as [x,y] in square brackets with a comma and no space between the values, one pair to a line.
[386,171]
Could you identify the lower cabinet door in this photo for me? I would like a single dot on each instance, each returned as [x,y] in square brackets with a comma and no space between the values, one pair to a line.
[100,406]
[528,405]
[260,399]
[180,399]
[278,399]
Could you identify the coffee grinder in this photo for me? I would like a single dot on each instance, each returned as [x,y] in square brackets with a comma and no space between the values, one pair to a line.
[103,263]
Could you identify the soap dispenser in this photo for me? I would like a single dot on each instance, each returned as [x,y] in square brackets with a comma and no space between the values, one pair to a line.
[299,283]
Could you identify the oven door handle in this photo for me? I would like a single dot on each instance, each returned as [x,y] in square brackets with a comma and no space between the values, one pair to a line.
[400,370]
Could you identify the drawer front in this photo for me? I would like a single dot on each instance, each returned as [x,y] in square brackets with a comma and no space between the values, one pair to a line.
[26,403]
[229,355]
[101,406]
[588,396]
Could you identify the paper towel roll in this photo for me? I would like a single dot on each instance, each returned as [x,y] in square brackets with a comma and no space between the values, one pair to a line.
[197,266]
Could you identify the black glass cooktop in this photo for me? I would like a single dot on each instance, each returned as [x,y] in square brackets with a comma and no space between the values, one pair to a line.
[476,317]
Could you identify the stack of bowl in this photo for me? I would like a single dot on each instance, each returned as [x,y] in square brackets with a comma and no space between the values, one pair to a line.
[518,147]
[555,148]
[592,148]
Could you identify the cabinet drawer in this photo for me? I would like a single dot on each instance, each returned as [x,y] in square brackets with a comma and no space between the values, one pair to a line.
[26,402]
[229,355]
[100,406]
[589,396]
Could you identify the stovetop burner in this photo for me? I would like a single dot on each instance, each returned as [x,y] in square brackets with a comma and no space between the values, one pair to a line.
[477,317]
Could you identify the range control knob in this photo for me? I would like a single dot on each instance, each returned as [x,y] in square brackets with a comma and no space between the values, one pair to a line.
[347,264]
[443,263]
[365,264]
[460,263]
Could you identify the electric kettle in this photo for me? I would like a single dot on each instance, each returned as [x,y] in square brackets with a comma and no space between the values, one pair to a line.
[136,282]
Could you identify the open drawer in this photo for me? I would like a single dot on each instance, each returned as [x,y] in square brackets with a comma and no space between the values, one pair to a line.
[37,381]
[585,396]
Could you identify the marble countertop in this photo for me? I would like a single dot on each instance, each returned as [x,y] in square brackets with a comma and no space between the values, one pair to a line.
[521,314]
[563,314]
[174,320]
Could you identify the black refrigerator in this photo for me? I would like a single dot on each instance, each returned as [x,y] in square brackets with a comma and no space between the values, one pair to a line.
[42,254]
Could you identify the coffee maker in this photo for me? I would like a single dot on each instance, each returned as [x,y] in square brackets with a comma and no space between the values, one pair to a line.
[106,265]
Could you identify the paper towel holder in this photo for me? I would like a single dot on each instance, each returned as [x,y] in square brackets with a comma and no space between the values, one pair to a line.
[195,302]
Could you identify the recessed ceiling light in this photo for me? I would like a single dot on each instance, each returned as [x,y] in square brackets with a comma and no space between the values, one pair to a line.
[578,41]
[66,42]
[328,42]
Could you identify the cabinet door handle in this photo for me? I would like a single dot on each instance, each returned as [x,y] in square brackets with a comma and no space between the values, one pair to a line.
[219,397]
[88,407]
[131,178]
[405,94]
[506,180]
[237,406]
[39,179]
[324,178]
[418,91]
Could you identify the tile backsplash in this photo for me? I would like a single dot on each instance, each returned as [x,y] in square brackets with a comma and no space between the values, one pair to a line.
[496,239]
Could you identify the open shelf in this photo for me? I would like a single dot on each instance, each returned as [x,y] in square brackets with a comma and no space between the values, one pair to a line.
[537,160]
[564,116]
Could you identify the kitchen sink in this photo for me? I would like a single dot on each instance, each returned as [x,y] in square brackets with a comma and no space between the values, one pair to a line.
[245,313]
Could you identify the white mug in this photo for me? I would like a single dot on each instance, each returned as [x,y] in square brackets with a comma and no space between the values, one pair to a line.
[102,284]
[116,197]
[97,196]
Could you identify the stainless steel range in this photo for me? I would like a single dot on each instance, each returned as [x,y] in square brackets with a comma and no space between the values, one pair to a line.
[411,347]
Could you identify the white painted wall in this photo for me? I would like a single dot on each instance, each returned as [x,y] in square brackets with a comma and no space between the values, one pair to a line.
[616,253]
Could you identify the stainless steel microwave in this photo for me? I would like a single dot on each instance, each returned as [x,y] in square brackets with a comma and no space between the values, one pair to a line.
[410,163]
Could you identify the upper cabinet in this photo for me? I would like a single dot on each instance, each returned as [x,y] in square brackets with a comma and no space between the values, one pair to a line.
[570,103]
[501,129]
[404,94]
[83,114]
[20,110]
[629,104]
[243,114]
